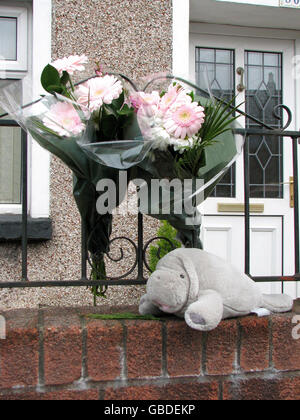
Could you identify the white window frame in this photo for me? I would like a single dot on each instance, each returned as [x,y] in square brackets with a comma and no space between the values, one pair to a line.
[181,38]
[40,158]
[21,14]
[38,55]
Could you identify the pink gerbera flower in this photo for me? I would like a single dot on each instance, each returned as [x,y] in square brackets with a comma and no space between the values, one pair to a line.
[64,120]
[71,64]
[184,120]
[145,100]
[175,94]
[98,91]
[135,100]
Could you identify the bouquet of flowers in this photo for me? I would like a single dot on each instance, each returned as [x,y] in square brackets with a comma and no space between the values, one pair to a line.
[192,142]
[105,124]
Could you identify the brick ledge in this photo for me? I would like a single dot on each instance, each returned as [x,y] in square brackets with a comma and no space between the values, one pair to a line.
[58,353]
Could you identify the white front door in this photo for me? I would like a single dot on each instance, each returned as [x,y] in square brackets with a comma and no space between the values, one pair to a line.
[268,82]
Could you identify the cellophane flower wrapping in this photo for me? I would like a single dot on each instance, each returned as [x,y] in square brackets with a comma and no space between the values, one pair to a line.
[101,127]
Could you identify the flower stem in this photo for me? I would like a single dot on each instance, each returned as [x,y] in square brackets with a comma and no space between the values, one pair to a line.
[98,273]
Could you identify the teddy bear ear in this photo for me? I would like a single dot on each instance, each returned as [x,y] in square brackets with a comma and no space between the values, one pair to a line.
[190,270]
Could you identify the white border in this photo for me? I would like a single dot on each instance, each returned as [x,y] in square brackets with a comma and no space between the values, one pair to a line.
[40,158]
[271,3]
[181,38]
[22,40]
[18,69]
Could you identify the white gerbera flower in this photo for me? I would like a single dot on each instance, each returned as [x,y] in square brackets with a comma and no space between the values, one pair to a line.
[161,138]
[99,91]
[70,64]
[181,145]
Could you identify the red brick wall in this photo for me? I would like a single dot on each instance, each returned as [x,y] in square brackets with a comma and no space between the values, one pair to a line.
[62,354]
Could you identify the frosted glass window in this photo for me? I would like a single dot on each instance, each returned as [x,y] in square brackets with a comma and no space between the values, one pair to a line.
[8,38]
[10,165]
[10,159]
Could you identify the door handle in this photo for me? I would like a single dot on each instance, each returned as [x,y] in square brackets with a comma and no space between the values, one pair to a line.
[292,191]
[241,72]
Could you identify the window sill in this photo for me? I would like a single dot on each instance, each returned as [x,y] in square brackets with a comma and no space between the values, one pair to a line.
[11,228]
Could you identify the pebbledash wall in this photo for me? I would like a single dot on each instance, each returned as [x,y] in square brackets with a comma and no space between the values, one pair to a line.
[63,354]
[130,36]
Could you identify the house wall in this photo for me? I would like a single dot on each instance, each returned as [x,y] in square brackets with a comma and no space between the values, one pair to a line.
[129,36]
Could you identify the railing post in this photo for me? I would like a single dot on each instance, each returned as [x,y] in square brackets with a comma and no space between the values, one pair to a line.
[24,154]
[247,205]
[83,251]
[140,246]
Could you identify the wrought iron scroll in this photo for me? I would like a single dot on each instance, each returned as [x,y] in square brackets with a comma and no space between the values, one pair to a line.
[91,258]
[278,115]
[159,238]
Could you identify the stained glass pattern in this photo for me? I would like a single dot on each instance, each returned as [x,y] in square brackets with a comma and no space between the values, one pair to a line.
[220,65]
[264,92]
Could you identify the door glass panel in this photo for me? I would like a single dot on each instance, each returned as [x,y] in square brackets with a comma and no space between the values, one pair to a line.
[263,94]
[220,65]
[10,161]
[8,38]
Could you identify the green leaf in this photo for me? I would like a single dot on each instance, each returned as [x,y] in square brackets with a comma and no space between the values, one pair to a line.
[109,126]
[125,120]
[192,95]
[65,79]
[118,103]
[163,247]
[123,316]
[50,77]
[55,88]
[126,110]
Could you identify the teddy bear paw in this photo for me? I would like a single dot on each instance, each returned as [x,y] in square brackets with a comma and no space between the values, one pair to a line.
[197,319]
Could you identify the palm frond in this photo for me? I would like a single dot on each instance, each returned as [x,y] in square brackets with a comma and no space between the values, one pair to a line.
[219,118]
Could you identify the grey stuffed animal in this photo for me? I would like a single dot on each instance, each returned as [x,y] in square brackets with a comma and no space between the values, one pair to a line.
[204,289]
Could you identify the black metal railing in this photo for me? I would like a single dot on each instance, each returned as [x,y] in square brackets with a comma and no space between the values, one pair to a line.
[141,248]
[294,136]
